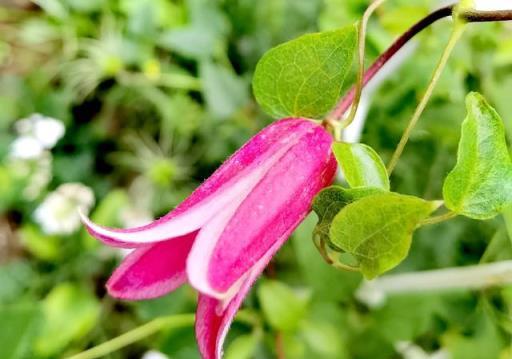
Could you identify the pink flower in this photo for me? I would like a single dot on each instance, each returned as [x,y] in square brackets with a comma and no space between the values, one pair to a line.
[221,237]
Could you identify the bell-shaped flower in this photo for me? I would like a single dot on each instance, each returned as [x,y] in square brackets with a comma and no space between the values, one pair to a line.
[221,237]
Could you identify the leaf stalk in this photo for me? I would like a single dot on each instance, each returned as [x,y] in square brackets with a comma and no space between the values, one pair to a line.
[458,30]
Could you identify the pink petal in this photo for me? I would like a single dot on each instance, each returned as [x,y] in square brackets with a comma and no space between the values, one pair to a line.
[217,192]
[153,270]
[229,246]
[214,316]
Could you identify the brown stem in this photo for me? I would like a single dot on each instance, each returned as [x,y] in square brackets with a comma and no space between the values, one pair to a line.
[280,353]
[347,100]
[486,16]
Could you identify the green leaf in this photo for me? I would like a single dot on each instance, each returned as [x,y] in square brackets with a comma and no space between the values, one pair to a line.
[324,340]
[325,281]
[283,308]
[507,216]
[16,331]
[480,185]
[377,230]
[224,91]
[361,165]
[15,277]
[329,202]
[42,246]
[70,312]
[405,317]
[304,77]
[243,347]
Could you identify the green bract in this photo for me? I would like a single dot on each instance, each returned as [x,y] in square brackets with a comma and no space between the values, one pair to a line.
[303,77]
[377,229]
[361,165]
[480,185]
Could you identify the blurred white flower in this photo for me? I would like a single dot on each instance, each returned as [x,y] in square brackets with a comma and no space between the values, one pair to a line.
[37,134]
[154,355]
[46,130]
[59,212]
[371,295]
[492,5]
[40,176]
[410,350]
[26,148]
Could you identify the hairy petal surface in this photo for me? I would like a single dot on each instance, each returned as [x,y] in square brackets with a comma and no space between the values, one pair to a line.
[153,270]
[218,191]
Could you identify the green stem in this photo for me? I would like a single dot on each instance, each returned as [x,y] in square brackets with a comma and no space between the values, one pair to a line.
[361,54]
[171,322]
[438,219]
[456,34]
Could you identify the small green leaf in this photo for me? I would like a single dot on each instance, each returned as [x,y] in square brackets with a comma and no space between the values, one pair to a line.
[377,230]
[283,308]
[70,312]
[361,165]
[224,91]
[17,330]
[243,347]
[330,201]
[480,185]
[42,246]
[304,77]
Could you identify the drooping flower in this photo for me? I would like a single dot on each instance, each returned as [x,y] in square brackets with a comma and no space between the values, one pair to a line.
[221,237]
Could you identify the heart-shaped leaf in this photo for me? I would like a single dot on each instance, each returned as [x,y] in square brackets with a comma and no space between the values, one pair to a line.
[361,165]
[480,185]
[377,229]
[330,201]
[304,77]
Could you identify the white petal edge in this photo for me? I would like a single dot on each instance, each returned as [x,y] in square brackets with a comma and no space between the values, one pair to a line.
[194,218]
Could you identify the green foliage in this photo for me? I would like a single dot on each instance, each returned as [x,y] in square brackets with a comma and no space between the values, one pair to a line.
[361,165]
[378,229]
[330,201]
[224,91]
[480,185]
[117,69]
[18,327]
[304,77]
[242,347]
[334,284]
[282,307]
[69,312]
[41,246]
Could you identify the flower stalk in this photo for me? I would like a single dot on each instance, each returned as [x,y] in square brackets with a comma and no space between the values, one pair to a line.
[361,54]
[467,15]
[383,59]
[454,38]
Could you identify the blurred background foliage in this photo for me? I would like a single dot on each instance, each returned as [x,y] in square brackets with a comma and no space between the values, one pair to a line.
[153,96]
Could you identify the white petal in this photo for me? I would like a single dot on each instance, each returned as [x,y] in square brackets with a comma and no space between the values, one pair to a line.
[26,148]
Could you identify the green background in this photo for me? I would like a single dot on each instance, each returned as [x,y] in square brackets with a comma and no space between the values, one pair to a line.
[155,94]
